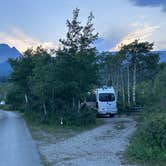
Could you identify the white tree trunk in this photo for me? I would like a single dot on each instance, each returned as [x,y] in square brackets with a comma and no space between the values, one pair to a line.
[73,102]
[79,105]
[123,93]
[44,108]
[134,84]
[76,104]
[128,85]
[26,98]
[117,86]
[107,77]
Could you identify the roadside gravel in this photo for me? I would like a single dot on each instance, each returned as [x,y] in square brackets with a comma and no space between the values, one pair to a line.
[102,146]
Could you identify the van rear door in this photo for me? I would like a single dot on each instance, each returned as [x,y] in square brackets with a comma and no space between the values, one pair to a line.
[106,102]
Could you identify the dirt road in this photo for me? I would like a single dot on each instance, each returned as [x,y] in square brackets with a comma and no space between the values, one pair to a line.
[102,146]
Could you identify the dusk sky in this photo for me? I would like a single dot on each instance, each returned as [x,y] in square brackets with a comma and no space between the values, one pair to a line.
[27,23]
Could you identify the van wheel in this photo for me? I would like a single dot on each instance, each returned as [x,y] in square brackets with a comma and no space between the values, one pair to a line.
[111,115]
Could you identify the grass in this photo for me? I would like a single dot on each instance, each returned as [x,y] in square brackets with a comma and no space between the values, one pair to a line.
[139,152]
[4,107]
[54,133]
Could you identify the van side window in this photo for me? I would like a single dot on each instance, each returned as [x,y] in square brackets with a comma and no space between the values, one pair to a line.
[106,97]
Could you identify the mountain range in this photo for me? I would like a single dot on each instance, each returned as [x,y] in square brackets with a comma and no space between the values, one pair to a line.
[162,55]
[7,52]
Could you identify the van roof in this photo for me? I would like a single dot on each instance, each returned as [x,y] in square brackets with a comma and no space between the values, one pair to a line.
[106,89]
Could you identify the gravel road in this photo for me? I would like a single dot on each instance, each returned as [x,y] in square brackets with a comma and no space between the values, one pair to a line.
[102,146]
[16,145]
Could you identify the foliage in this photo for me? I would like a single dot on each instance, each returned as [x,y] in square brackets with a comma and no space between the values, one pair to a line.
[128,70]
[154,132]
[85,117]
[149,142]
[14,98]
[4,88]
[77,55]
[138,56]
[49,89]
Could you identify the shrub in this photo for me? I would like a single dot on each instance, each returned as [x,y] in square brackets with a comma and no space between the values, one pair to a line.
[154,132]
[86,116]
[149,142]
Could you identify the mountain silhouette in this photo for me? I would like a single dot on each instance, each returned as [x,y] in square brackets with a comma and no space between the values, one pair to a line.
[7,52]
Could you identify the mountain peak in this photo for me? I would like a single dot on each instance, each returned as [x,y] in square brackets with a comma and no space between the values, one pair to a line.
[3,45]
[7,52]
[14,48]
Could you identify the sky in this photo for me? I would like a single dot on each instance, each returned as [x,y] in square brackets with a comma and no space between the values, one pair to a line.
[30,23]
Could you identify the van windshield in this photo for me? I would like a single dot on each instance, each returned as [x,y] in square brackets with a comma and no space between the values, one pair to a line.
[106,97]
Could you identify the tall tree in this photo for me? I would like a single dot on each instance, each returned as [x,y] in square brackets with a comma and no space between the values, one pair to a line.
[77,59]
[135,53]
[22,69]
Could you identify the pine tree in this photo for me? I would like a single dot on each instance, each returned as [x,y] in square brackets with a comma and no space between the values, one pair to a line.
[77,59]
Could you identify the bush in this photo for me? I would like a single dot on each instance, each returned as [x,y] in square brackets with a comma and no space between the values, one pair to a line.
[148,145]
[86,117]
[149,142]
[154,132]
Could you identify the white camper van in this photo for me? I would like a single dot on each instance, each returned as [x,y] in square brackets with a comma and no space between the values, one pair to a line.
[106,101]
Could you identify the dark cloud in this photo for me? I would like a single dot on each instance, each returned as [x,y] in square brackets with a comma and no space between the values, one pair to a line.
[152,3]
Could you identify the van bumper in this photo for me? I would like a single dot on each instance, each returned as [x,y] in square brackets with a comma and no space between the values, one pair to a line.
[107,113]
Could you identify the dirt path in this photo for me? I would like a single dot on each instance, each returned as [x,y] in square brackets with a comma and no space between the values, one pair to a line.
[102,146]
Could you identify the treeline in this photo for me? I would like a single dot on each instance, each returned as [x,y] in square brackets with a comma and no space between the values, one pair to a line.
[51,87]
[148,145]
[133,64]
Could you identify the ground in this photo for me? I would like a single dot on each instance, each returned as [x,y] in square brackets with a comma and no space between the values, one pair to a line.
[101,146]
[17,148]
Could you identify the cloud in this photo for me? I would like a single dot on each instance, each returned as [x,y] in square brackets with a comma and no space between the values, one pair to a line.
[160,45]
[142,33]
[111,37]
[151,3]
[20,40]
